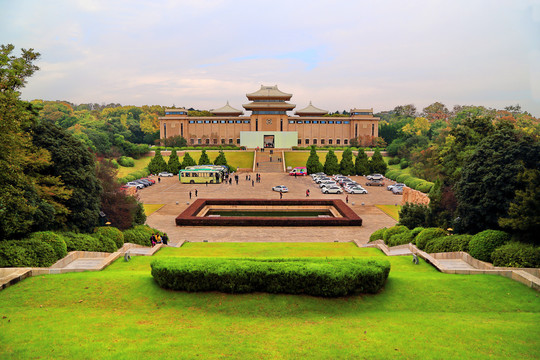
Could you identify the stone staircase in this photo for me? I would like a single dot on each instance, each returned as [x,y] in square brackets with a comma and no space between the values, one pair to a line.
[267,166]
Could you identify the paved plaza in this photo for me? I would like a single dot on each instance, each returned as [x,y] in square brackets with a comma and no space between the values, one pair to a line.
[175,198]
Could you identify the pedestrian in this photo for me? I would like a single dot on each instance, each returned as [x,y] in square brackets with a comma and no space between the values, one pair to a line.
[165,239]
[158,179]
[153,240]
[246,176]
[347,199]
[252,183]
[307,193]
[206,182]
[280,195]
[249,178]
[295,175]
[196,192]
[257,164]
[190,195]
[230,181]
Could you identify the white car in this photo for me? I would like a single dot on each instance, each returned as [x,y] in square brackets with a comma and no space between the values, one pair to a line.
[165,174]
[332,190]
[356,190]
[321,179]
[375,177]
[318,174]
[280,188]
[139,186]
[327,183]
[390,187]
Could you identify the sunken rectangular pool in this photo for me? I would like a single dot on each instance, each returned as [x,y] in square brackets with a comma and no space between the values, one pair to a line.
[264,212]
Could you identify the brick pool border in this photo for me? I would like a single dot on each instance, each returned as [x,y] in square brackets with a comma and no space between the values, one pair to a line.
[189,216]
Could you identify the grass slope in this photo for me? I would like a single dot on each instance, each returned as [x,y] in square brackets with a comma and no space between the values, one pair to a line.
[149,209]
[121,313]
[391,210]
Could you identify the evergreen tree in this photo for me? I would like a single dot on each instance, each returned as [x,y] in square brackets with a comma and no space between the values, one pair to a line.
[188,161]
[157,164]
[174,163]
[204,159]
[361,165]
[331,165]
[377,164]
[346,167]
[221,159]
[313,164]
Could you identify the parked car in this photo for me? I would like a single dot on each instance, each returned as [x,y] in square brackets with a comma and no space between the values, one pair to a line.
[132,183]
[327,183]
[146,181]
[321,179]
[375,177]
[346,181]
[165,174]
[143,183]
[332,190]
[149,179]
[280,188]
[351,184]
[389,187]
[375,183]
[397,190]
[356,190]
[317,174]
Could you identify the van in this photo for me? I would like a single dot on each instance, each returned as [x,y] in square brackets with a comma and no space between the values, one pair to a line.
[299,171]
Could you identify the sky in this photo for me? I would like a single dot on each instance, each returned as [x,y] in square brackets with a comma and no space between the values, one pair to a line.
[338,54]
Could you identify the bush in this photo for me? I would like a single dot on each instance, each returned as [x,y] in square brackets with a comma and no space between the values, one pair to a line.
[426,235]
[112,233]
[377,235]
[424,187]
[403,164]
[401,238]
[393,161]
[140,234]
[485,242]
[392,231]
[417,230]
[55,240]
[26,253]
[316,277]
[414,215]
[392,174]
[87,242]
[403,178]
[516,254]
[126,161]
[449,243]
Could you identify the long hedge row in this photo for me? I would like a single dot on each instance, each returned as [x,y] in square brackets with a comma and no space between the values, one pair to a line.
[316,277]
[409,180]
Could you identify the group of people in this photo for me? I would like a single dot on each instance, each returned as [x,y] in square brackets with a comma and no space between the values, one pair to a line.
[158,239]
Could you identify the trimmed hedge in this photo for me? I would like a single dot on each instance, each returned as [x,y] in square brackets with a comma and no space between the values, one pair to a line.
[140,234]
[26,253]
[55,240]
[377,235]
[449,243]
[426,235]
[126,161]
[135,175]
[409,180]
[485,242]
[87,242]
[417,230]
[112,233]
[400,238]
[316,277]
[516,254]
[393,231]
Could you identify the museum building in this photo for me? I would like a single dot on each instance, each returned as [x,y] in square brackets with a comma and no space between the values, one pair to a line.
[269,125]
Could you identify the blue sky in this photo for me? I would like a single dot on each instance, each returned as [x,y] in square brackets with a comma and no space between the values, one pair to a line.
[339,54]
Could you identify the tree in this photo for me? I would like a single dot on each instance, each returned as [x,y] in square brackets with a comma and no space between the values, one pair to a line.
[174,163]
[221,159]
[488,180]
[75,165]
[361,165]
[175,141]
[157,164]
[376,163]
[122,210]
[523,217]
[313,164]
[331,165]
[405,110]
[204,159]
[188,161]
[16,207]
[346,166]
[419,126]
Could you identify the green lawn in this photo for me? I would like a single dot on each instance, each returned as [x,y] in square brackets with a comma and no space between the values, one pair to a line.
[149,209]
[392,210]
[121,313]
[139,164]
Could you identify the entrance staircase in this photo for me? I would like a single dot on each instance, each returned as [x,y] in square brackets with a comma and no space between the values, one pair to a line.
[267,166]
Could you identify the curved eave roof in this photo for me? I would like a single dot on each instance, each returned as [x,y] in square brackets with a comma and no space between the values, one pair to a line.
[227,110]
[269,106]
[310,110]
[271,92]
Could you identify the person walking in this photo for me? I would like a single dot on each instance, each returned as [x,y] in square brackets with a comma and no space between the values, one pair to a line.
[307,193]
[158,179]
[190,195]
[280,195]
[252,183]
[347,199]
[196,192]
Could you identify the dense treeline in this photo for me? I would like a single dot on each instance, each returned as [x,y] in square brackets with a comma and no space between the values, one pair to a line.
[484,163]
